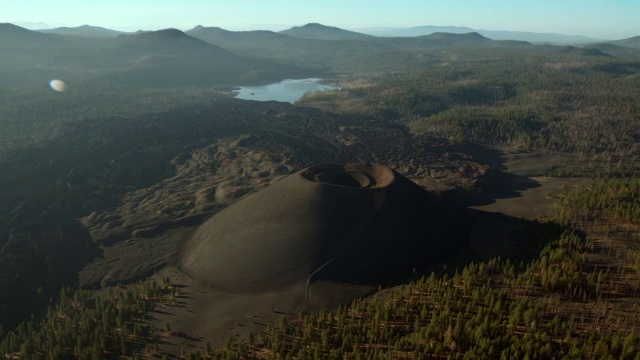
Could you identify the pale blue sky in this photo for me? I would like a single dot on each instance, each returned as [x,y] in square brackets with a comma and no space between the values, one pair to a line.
[611,19]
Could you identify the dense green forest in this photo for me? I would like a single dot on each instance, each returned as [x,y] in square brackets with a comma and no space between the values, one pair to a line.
[547,98]
[613,198]
[30,117]
[84,326]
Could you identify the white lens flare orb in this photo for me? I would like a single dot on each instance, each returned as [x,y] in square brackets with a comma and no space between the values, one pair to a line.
[58,85]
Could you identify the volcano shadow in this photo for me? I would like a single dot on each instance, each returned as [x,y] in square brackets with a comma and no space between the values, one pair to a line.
[494,185]
[418,232]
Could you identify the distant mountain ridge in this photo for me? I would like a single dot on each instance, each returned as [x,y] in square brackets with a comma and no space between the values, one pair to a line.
[171,57]
[33,25]
[298,51]
[629,47]
[414,31]
[323,32]
[348,52]
[445,40]
[83,30]
[632,42]
[211,55]
[533,37]
[163,58]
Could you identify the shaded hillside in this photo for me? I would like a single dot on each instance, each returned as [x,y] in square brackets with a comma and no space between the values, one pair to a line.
[615,50]
[590,51]
[619,48]
[27,54]
[153,59]
[13,35]
[632,42]
[84,30]
[323,32]
[165,44]
[170,57]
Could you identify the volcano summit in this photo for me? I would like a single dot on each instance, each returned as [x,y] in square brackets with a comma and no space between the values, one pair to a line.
[346,222]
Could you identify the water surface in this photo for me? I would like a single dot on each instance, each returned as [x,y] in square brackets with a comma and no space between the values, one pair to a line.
[290,90]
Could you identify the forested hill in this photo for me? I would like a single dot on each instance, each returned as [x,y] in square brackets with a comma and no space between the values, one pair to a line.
[632,42]
[164,58]
[161,42]
[13,35]
[557,98]
[323,32]
[350,54]
[83,30]
[333,56]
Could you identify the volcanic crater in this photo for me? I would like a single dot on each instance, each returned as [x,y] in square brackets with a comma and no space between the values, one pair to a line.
[349,223]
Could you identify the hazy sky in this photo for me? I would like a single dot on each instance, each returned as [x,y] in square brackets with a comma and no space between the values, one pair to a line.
[611,19]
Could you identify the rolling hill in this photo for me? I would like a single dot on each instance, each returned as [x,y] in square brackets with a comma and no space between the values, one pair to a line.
[336,56]
[632,42]
[12,35]
[444,40]
[171,57]
[323,32]
[629,47]
[84,30]
[615,50]
[367,53]
[492,34]
[415,31]
[534,37]
[26,49]
[165,42]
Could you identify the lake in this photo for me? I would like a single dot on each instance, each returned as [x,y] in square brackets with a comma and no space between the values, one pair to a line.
[290,90]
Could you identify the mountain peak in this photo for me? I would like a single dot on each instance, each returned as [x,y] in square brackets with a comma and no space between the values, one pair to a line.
[83,30]
[169,33]
[205,28]
[164,34]
[323,32]
[12,27]
[172,40]
[469,35]
[18,33]
[318,25]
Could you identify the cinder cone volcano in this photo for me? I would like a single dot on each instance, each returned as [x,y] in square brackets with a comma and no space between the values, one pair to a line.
[305,224]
